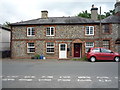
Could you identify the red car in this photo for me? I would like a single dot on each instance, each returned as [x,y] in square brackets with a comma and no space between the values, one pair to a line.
[100,53]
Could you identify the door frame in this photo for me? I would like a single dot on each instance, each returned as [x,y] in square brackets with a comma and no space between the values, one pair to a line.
[59,50]
[80,50]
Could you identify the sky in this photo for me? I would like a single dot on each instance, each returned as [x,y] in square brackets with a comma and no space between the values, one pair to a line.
[21,10]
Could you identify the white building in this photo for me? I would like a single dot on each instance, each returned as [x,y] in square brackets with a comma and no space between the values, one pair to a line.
[4,39]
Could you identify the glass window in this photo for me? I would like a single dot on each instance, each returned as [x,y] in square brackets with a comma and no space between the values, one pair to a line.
[62,47]
[106,28]
[50,47]
[96,50]
[30,48]
[105,50]
[50,31]
[30,31]
[106,44]
[89,45]
[89,30]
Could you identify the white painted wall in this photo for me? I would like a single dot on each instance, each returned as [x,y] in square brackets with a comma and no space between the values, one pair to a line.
[4,40]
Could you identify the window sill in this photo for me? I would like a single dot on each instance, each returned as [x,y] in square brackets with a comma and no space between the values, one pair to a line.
[30,52]
[49,52]
[30,35]
[89,35]
[50,35]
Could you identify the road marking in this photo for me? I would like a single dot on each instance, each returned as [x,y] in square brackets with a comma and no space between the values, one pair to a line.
[29,76]
[84,80]
[5,79]
[47,77]
[103,77]
[116,77]
[14,76]
[84,77]
[64,77]
[25,79]
[44,79]
[65,80]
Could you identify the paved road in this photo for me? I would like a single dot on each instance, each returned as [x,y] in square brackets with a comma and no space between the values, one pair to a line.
[58,74]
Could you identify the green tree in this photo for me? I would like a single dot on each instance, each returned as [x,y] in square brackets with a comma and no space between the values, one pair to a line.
[6,24]
[85,14]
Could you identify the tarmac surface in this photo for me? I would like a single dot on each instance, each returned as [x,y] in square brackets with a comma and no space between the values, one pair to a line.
[27,73]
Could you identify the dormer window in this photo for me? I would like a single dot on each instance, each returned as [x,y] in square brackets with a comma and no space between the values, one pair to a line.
[50,31]
[30,31]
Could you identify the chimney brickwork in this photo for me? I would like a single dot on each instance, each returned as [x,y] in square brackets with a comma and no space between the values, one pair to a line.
[117,8]
[44,14]
[94,13]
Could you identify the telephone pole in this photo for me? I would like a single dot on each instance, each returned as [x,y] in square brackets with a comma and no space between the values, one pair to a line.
[100,31]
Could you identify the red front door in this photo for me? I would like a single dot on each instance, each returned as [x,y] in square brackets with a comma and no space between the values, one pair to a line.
[76,50]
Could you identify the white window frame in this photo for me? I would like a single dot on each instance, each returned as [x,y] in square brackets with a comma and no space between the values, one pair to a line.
[50,47]
[31,28]
[28,47]
[106,44]
[89,30]
[88,46]
[50,31]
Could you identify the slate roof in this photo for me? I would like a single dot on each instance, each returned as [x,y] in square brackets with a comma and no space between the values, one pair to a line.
[111,19]
[67,20]
[57,20]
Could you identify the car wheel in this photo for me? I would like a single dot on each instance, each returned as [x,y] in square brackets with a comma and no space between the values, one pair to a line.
[92,59]
[117,59]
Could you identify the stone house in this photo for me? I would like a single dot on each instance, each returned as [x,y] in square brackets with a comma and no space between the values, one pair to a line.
[65,37]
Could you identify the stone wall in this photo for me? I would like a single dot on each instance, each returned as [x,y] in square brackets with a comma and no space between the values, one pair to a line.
[63,34]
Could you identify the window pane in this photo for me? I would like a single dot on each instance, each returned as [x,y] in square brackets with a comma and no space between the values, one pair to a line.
[106,44]
[62,47]
[87,30]
[50,44]
[50,49]
[91,44]
[91,30]
[106,29]
[31,44]
[32,31]
[28,31]
[48,32]
[52,32]
[31,49]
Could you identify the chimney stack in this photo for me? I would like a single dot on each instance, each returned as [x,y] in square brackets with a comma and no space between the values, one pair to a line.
[44,14]
[117,7]
[94,13]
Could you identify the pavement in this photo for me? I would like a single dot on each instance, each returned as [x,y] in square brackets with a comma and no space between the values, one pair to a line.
[30,73]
